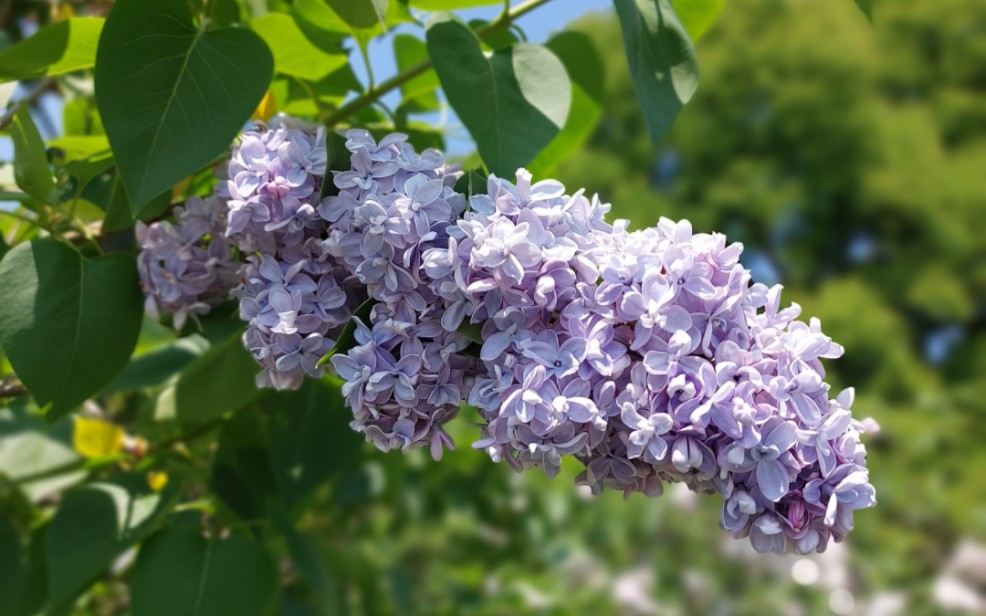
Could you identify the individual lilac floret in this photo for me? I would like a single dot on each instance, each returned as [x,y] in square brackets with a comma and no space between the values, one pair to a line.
[187,267]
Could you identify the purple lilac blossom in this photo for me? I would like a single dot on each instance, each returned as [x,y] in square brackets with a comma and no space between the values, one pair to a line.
[187,267]
[650,357]
[294,295]
[408,374]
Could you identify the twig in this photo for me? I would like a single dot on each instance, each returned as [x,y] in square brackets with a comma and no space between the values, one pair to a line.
[372,95]
[39,88]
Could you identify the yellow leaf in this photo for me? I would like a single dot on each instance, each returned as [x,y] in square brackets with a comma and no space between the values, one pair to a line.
[265,110]
[94,437]
[157,480]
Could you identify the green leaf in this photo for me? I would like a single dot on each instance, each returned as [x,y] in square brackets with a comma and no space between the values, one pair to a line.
[347,337]
[448,5]
[93,525]
[173,96]
[867,7]
[471,183]
[306,559]
[319,23]
[67,323]
[154,368]
[582,61]
[119,214]
[361,14]
[698,15]
[13,567]
[221,380]
[242,475]
[310,438]
[31,170]
[60,48]
[294,53]
[662,60]
[338,159]
[179,571]
[417,94]
[34,591]
[30,448]
[513,102]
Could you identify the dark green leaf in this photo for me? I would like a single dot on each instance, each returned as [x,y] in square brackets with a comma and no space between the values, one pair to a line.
[662,60]
[179,571]
[31,170]
[582,61]
[471,183]
[93,525]
[347,337]
[417,94]
[513,102]
[67,323]
[496,39]
[62,47]
[698,15]
[13,567]
[310,438]
[119,214]
[34,592]
[294,53]
[221,380]
[338,160]
[308,562]
[867,7]
[241,471]
[472,331]
[154,368]
[172,96]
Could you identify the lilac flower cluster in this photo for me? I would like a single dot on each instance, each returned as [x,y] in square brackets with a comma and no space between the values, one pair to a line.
[293,294]
[187,267]
[407,375]
[648,356]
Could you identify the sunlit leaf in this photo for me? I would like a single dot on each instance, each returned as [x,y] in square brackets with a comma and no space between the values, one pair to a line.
[697,15]
[60,48]
[293,53]
[31,170]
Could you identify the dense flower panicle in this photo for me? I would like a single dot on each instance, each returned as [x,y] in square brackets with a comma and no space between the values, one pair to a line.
[647,355]
[407,376]
[187,267]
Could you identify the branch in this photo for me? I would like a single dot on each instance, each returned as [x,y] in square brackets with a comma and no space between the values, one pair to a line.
[10,388]
[39,88]
[376,93]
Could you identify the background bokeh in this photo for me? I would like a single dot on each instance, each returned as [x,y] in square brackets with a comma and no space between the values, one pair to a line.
[850,160]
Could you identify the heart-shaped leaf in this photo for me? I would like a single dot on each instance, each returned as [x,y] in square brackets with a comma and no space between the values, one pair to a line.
[60,48]
[179,571]
[294,54]
[67,323]
[663,66]
[172,95]
[513,102]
